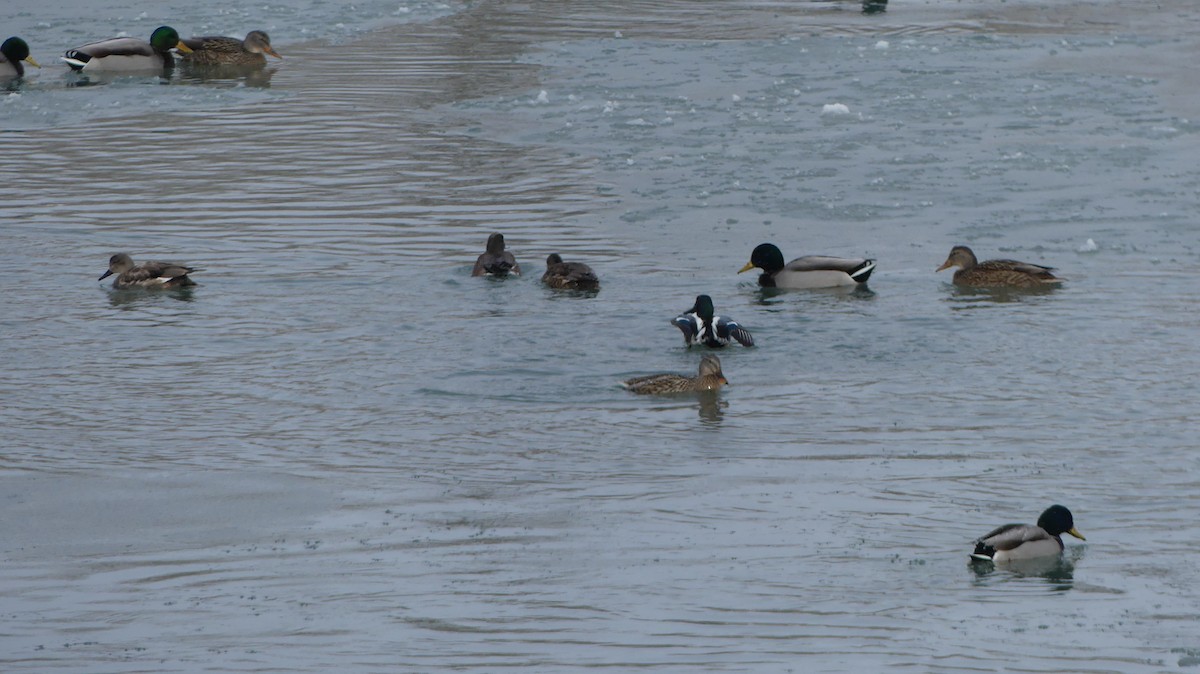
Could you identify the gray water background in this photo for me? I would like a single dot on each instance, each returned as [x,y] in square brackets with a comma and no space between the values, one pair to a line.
[342,453]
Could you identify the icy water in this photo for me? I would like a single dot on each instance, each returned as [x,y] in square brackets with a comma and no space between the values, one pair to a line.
[342,453]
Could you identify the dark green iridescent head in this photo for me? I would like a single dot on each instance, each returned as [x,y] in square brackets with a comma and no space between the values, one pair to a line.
[164,38]
[14,49]
[767,257]
[703,307]
[1057,520]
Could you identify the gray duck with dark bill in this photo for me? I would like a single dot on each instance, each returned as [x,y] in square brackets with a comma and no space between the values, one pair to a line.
[14,54]
[996,273]
[710,378]
[128,53]
[214,50]
[495,261]
[700,326]
[1013,542]
[569,275]
[810,271]
[147,274]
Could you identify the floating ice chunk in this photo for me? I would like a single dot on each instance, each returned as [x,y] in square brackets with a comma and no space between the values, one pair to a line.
[835,109]
[882,44]
[542,97]
[617,34]
[1088,246]
[735,98]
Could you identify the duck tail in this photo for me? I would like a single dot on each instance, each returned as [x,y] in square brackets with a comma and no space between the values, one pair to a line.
[863,272]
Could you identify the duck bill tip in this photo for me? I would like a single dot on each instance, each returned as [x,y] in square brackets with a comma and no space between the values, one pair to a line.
[748,267]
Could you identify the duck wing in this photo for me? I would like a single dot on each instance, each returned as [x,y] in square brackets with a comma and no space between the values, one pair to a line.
[117,46]
[579,272]
[728,328]
[1017,266]
[213,42]
[1008,537]
[162,271]
[690,325]
[857,268]
[496,264]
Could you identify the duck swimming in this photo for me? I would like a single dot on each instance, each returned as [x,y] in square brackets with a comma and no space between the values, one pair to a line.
[1013,542]
[495,261]
[128,53]
[230,51]
[996,273]
[569,275]
[710,378]
[810,271]
[147,274]
[700,326]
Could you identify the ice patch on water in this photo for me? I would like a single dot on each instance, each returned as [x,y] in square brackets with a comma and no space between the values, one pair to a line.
[882,44]
[542,97]
[1088,246]
[835,110]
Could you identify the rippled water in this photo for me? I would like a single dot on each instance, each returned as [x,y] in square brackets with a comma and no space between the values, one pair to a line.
[342,453]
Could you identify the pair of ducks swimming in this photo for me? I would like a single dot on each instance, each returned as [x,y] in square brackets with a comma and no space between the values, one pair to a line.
[496,261]
[131,54]
[819,271]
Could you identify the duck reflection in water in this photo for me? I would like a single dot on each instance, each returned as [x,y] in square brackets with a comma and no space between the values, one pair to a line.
[255,77]
[1057,571]
[712,408]
[129,298]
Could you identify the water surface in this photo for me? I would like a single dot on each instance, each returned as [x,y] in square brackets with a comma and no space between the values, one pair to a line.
[340,452]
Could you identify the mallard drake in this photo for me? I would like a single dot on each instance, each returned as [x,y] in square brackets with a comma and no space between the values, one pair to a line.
[147,274]
[810,271]
[14,53]
[128,53]
[996,273]
[496,261]
[1013,542]
[710,379]
[700,326]
[569,275]
[211,50]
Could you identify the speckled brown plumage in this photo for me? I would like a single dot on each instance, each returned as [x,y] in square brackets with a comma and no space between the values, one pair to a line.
[710,378]
[996,273]
[212,50]
[569,275]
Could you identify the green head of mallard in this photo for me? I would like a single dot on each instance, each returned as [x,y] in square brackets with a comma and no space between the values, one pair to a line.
[703,308]
[767,257]
[961,257]
[1057,520]
[16,50]
[166,38]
